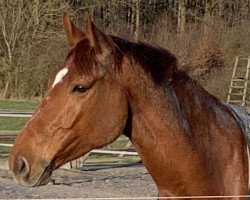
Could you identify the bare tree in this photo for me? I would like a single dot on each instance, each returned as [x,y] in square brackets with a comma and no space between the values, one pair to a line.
[23,26]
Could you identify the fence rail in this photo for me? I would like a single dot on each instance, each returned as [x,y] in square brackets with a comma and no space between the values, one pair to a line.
[8,136]
[80,161]
[15,113]
[104,150]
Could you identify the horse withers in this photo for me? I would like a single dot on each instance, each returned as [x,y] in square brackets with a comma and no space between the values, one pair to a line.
[189,141]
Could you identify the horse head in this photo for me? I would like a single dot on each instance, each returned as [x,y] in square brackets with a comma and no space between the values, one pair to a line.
[84,108]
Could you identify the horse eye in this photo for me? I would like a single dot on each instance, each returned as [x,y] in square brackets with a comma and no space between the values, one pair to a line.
[79,89]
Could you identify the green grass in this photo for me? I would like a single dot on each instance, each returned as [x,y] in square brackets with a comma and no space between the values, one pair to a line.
[18,105]
[12,123]
[15,124]
[120,143]
[5,150]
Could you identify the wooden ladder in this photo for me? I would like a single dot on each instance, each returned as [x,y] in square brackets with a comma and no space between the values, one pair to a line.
[237,93]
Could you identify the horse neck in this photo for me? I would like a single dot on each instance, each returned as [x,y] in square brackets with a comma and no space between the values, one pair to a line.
[160,131]
[154,108]
[154,121]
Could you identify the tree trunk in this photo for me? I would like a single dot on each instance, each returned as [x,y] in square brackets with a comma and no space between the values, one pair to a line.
[181,16]
[132,22]
[137,19]
[6,88]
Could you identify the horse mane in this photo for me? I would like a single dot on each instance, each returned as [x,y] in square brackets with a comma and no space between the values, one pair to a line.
[160,63]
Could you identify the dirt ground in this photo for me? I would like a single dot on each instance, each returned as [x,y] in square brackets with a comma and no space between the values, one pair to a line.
[92,181]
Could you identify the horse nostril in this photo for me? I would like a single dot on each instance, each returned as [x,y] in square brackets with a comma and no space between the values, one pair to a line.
[22,166]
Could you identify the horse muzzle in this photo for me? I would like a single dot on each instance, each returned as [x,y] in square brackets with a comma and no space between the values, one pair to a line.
[26,176]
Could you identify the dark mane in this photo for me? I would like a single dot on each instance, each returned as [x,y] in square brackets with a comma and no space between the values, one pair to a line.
[159,62]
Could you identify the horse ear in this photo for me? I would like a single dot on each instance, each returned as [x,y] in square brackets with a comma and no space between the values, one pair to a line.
[102,44]
[73,34]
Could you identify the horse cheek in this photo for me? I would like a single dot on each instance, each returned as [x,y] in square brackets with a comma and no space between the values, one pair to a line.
[70,115]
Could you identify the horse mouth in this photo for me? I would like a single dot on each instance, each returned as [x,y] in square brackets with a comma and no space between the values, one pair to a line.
[45,177]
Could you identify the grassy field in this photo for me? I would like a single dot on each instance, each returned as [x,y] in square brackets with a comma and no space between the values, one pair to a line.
[17,105]
[15,124]
[4,150]
[12,123]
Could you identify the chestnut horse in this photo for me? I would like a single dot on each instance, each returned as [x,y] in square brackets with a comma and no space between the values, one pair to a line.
[190,143]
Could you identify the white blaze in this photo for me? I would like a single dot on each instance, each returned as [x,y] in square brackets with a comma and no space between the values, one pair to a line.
[60,76]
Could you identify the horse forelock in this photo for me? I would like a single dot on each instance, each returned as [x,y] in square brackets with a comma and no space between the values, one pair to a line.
[85,57]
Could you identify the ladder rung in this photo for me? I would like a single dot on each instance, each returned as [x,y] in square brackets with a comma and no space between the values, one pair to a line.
[236,94]
[243,58]
[239,79]
[237,87]
[235,101]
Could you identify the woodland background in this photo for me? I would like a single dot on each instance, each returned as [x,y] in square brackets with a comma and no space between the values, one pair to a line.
[205,35]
